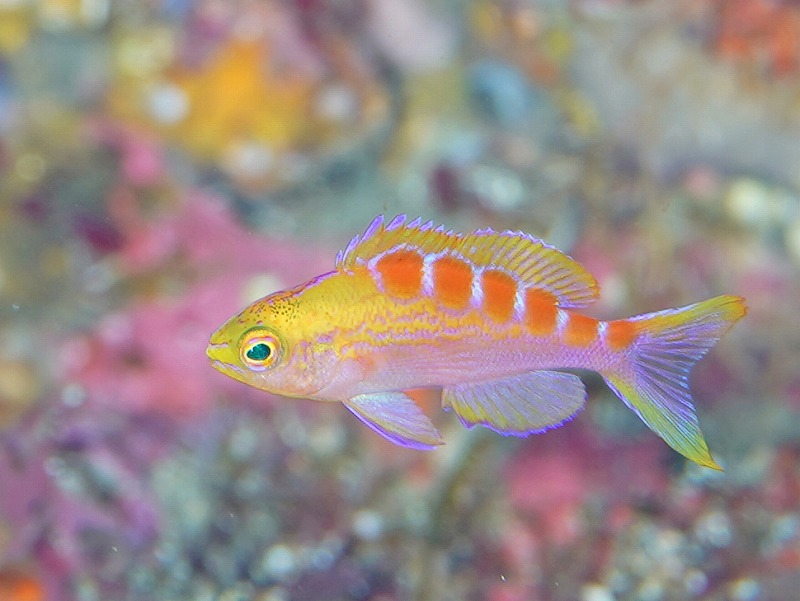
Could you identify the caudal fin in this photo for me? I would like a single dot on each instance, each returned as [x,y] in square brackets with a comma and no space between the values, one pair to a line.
[654,380]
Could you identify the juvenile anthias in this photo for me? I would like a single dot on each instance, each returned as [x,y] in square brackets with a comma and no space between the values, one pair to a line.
[487,317]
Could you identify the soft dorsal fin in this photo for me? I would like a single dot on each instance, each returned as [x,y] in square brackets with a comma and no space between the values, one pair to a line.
[536,264]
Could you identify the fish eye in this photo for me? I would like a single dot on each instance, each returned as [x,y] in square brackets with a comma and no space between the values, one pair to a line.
[259,350]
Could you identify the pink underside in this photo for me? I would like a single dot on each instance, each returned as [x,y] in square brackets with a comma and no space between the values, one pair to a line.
[449,363]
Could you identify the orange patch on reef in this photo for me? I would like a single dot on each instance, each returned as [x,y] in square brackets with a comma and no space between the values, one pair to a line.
[580,330]
[16,586]
[452,282]
[620,334]
[541,312]
[499,290]
[401,273]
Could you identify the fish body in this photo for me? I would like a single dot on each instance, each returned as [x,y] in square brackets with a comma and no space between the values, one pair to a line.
[487,317]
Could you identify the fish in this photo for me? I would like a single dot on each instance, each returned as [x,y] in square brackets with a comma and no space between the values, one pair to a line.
[492,319]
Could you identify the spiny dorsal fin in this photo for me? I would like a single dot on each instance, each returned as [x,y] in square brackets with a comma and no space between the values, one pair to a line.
[535,263]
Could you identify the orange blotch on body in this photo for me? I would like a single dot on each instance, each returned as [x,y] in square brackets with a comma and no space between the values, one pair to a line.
[452,282]
[401,273]
[620,334]
[541,312]
[499,290]
[580,330]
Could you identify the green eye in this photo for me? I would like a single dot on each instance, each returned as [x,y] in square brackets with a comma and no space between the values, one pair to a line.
[259,352]
[259,349]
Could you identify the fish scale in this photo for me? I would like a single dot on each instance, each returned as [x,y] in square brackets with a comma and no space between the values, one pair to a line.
[488,318]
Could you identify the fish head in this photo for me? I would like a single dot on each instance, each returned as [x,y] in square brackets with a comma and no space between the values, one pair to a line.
[269,346]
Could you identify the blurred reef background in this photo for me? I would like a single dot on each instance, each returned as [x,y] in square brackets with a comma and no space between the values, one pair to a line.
[164,162]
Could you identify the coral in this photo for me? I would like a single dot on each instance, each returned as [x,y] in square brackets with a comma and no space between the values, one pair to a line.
[19,585]
[760,33]
[132,384]
[74,502]
[253,101]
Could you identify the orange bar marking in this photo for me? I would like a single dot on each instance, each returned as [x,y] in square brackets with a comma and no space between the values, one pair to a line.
[452,282]
[620,334]
[580,330]
[499,290]
[401,273]
[541,312]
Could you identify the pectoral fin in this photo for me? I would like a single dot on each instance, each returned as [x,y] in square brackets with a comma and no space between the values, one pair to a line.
[396,417]
[520,405]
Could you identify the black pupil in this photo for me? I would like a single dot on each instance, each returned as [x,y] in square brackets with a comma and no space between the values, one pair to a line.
[259,352]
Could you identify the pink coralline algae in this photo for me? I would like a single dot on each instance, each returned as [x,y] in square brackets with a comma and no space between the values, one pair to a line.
[553,480]
[75,503]
[125,363]
[149,356]
[141,156]
[131,385]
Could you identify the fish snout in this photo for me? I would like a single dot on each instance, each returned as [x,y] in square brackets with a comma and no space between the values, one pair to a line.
[216,350]
[223,359]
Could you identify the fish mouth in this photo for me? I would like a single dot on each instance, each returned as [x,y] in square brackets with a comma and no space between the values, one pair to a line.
[214,347]
[217,352]
[227,368]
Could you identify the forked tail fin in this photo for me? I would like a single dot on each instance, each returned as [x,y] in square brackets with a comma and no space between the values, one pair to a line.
[654,381]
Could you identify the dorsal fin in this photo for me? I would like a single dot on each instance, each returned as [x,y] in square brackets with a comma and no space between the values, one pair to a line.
[536,264]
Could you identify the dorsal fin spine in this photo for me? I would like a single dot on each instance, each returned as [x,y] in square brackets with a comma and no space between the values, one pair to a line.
[396,223]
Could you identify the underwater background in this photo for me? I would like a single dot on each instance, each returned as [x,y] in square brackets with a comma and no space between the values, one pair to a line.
[165,162]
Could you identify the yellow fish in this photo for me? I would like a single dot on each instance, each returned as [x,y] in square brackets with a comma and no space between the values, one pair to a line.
[487,317]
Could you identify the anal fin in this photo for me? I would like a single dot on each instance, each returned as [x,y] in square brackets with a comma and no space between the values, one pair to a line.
[520,405]
[396,417]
